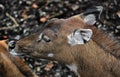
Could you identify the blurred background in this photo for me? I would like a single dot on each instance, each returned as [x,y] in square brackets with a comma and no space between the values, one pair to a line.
[20,18]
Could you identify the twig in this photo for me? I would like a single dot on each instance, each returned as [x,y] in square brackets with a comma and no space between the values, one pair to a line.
[13,19]
[6,28]
[10,27]
[47,2]
[55,15]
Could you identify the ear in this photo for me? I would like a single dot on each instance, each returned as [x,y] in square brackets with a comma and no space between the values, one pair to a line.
[92,14]
[79,36]
[90,19]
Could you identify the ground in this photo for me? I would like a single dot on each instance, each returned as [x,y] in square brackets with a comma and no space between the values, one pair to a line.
[20,18]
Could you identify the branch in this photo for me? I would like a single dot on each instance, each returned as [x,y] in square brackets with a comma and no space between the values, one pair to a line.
[10,27]
[13,19]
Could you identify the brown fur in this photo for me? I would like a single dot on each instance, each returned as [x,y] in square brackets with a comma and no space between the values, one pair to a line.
[109,44]
[12,66]
[96,58]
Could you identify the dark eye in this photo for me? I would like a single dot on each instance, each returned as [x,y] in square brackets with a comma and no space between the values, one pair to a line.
[43,37]
[46,38]
[40,37]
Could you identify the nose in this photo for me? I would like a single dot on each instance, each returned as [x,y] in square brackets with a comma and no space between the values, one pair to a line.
[11,44]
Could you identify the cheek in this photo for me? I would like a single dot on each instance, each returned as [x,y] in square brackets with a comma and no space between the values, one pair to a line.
[45,46]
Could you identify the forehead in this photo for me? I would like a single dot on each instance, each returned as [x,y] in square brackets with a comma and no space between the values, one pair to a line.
[48,32]
[64,25]
[54,25]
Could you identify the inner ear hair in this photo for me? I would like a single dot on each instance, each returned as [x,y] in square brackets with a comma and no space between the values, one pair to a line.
[75,31]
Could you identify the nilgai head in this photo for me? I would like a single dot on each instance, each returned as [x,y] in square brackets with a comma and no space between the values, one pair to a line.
[73,41]
[59,36]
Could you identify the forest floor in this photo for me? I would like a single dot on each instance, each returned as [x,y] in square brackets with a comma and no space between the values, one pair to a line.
[20,18]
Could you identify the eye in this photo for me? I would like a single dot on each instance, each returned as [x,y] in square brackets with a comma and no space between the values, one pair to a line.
[43,37]
[40,37]
[46,38]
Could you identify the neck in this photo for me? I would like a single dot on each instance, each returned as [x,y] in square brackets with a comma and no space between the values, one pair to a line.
[92,61]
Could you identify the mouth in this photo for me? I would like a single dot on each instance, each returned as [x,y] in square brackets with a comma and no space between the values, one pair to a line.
[14,52]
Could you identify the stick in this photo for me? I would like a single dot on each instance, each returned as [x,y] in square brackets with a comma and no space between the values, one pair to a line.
[10,27]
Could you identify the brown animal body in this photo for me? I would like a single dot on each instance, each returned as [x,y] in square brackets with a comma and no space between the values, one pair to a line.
[99,57]
[12,66]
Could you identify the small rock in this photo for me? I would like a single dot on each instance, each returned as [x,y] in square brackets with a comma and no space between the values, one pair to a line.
[74,7]
[118,13]
[43,19]
[57,75]
[118,27]
[34,5]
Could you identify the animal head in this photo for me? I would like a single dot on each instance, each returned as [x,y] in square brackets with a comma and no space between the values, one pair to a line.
[75,42]
[58,37]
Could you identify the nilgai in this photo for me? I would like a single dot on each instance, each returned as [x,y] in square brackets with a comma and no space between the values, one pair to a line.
[76,42]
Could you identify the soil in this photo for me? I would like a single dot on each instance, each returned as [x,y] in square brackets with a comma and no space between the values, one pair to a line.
[20,18]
